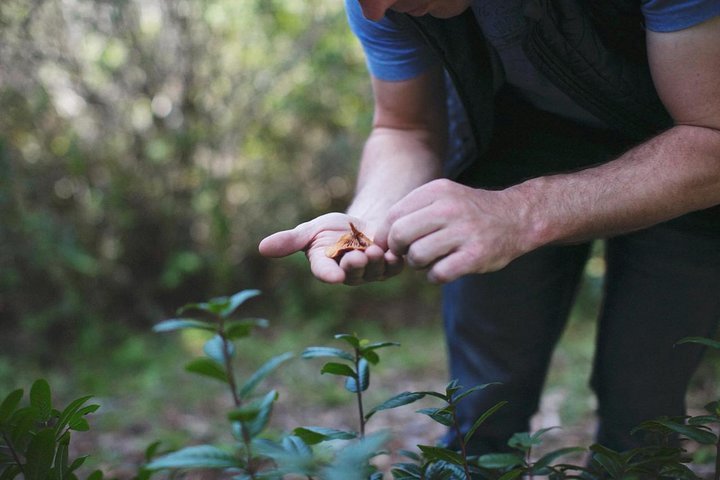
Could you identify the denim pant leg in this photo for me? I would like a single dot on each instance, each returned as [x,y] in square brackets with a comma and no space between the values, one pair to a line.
[662,284]
[502,327]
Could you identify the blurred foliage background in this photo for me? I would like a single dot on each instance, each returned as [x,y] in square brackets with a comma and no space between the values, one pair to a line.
[146,146]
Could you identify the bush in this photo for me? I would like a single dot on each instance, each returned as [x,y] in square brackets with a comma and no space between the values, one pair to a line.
[35,438]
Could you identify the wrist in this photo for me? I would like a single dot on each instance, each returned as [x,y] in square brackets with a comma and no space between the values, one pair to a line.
[535,218]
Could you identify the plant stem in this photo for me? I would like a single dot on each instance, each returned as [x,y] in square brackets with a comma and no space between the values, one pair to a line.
[227,358]
[461,439]
[717,460]
[229,371]
[14,453]
[359,394]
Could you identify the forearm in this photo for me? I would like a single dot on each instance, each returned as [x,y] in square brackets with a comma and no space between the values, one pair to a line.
[393,163]
[674,173]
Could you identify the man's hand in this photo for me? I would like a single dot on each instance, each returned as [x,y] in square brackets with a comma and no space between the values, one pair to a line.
[314,237]
[454,230]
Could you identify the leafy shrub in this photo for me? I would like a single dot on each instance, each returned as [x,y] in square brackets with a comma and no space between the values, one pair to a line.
[35,438]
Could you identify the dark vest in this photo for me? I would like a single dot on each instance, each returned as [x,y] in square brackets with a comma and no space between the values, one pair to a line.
[593,50]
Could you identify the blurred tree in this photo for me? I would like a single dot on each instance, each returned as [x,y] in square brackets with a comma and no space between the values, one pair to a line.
[147,145]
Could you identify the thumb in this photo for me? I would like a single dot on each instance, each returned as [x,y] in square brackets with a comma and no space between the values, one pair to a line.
[284,243]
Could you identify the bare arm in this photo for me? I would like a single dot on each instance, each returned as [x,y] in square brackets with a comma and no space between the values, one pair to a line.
[403,151]
[406,146]
[671,174]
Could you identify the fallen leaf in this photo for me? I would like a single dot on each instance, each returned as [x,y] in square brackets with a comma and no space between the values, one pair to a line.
[354,240]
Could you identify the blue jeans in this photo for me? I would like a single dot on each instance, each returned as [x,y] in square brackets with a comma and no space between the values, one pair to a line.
[661,284]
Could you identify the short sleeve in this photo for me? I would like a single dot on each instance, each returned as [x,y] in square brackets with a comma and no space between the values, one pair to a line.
[392,53]
[673,15]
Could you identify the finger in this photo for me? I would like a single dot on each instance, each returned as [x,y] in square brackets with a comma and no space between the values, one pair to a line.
[393,264]
[375,268]
[353,264]
[415,200]
[324,268]
[280,244]
[430,249]
[448,268]
[284,243]
[412,227]
[287,242]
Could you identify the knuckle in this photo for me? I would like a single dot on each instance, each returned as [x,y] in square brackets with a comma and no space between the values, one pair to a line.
[416,259]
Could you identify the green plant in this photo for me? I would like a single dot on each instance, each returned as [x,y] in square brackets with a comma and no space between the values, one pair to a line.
[251,412]
[35,439]
[357,374]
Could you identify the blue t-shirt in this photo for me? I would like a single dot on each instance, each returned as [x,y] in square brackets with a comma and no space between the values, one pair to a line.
[396,54]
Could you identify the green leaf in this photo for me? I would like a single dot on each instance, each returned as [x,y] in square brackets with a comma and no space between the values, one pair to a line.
[608,459]
[700,434]
[183,324]
[406,471]
[525,441]
[60,463]
[536,436]
[80,425]
[10,472]
[363,378]
[353,461]
[96,475]
[40,454]
[69,412]
[438,453]
[371,357]
[338,369]
[207,367]
[399,400]
[442,470]
[245,413]
[215,349]
[713,408]
[703,420]
[251,410]
[261,373]
[256,426]
[77,463]
[550,457]
[22,421]
[482,419]
[10,403]
[296,445]
[151,450]
[500,460]
[375,346]
[465,393]
[512,474]
[702,341]
[316,352]
[200,456]
[40,399]
[208,307]
[315,435]
[352,340]
[238,299]
[440,415]
[452,387]
[235,329]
